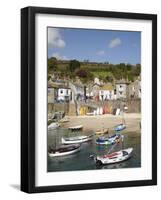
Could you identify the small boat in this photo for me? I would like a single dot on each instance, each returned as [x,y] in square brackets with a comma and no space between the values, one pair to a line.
[76,128]
[58,115]
[101,131]
[90,113]
[115,138]
[63,150]
[64,120]
[115,157]
[53,125]
[120,127]
[76,139]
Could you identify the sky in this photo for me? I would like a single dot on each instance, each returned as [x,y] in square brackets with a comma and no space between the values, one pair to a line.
[94,45]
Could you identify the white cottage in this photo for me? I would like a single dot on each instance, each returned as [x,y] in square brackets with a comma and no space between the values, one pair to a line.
[106,92]
[64,93]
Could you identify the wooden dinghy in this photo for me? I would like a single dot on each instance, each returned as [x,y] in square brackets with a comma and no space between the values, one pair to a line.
[64,120]
[63,150]
[101,131]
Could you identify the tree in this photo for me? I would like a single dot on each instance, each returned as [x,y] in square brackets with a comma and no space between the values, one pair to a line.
[52,64]
[136,70]
[49,77]
[73,65]
[84,74]
[109,77]
[128,66]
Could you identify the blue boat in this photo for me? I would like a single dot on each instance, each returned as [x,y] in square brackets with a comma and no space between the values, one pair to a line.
[119,127]
[110,140]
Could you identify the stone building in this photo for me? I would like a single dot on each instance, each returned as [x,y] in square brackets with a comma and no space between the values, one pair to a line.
[135,89]
[122,90]
[52,92]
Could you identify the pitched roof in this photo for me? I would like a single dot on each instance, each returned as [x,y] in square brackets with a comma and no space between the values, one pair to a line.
[107,86]
[52,85]
[122,81]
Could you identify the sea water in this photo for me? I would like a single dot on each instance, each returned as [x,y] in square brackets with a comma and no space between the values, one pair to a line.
[82,160]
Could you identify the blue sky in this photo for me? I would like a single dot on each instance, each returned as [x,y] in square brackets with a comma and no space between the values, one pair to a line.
[94,45]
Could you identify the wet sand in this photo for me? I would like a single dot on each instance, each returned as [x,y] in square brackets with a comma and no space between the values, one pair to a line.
[93,123]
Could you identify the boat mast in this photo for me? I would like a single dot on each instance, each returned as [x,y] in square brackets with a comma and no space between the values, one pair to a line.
[123,119]
[122,141]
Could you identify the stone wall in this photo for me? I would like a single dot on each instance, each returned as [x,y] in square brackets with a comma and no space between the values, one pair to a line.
[56,107]
[134,105]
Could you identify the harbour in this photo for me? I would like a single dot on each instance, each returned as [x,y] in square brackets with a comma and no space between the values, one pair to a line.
[82,159]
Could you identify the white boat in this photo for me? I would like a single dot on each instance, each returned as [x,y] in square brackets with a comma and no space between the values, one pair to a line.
[64,150]
[90,113]
[76,128]
[115,157]
[53,125]
[76,139]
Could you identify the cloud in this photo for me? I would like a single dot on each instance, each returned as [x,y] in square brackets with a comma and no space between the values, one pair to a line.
[55,39]
[100,53]
[58,56]
[114,43]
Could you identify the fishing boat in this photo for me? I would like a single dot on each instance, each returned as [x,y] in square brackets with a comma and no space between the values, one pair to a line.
[76,139]
[63,150]
[101,131]
[114,157]
[64,120]
[120,127]
[76,128]
[53,125]
[115,138]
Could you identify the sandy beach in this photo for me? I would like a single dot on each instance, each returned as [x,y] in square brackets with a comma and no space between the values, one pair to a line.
[93,123]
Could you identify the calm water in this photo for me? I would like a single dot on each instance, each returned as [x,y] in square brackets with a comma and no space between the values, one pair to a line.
[82,161]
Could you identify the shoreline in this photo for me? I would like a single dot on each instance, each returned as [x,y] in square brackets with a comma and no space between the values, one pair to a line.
[93,123]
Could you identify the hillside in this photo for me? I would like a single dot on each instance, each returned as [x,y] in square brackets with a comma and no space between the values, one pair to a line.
[86,71]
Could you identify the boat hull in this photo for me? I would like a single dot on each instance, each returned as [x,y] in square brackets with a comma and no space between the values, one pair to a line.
[58,154]
[120,127]
[109,140]
[79,141]
[76,128]
[104,143]
[53,126]
[126,154]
